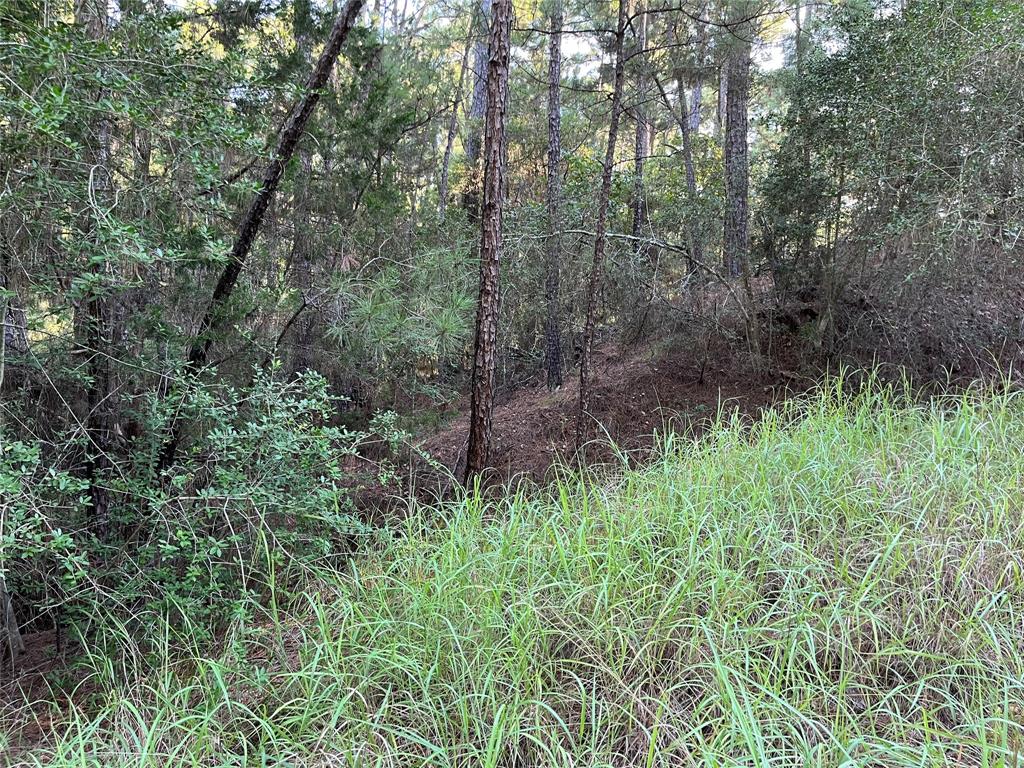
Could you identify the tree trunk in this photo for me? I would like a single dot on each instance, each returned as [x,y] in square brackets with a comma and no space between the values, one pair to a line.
[597,269]
[736,238]
[736,235]
[694,237]
[93,315]
[485,346]
[453,127]
[215,317]
[641,150]
[477,105]
[641,145]
[723,87]
[698,81]
[552,334]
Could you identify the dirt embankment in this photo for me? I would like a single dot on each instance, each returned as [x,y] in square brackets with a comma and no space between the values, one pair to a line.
[637,391]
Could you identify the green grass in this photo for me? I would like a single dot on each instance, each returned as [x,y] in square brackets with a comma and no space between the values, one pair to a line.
[840,584]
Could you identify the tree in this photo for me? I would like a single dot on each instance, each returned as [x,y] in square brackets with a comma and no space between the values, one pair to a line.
[485,345]
[94,311]
[601,230]
[453,126]
[642,138]
[477,106]
[215,315]
[553,250]
[736,237]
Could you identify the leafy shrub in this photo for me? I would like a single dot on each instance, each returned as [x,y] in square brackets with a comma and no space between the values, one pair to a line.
[260,492]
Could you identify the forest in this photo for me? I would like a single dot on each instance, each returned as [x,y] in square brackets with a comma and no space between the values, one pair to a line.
[511,383]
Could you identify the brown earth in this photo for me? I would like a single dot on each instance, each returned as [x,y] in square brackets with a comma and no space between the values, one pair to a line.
[637,392]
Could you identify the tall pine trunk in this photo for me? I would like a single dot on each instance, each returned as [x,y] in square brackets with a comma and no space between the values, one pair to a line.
[641,149]
[600,235]
[736,234]
[552,334]
[486,345]
[736,237]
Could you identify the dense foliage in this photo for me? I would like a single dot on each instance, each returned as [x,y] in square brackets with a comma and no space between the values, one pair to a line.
[836,180]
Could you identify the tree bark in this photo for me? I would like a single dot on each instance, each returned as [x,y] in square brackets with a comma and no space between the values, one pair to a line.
[477,106]
[214,318]
[552,333]
[736,237]
[485,346]
[641,150]
[597,268]
[641,144]
[698,80]
[723,87]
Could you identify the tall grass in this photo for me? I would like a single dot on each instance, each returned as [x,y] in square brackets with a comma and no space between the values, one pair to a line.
[839,584]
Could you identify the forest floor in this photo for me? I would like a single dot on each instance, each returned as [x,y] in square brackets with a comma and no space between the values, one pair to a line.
[638,391]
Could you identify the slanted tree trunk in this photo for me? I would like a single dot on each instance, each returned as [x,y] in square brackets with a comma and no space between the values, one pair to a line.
[453,128]
[694,237]
[477,105]
[600,235]
[486,343]
[215,317]
[552,334]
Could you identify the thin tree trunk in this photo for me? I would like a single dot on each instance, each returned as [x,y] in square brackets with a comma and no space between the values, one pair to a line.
[552,334]
[736,238]
[641,144]
[807,223]
[597,269]
[641,149]
[214,318]
[695,241]
[453,128]
[94,313]
[300,260]
[698,81]
[477,105]
[485,346]
[723,87]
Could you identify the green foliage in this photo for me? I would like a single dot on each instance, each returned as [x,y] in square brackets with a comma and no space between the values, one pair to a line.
[262,495]
[910,128]
[41,559]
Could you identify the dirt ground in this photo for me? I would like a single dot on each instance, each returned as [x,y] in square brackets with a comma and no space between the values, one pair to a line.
[637,391]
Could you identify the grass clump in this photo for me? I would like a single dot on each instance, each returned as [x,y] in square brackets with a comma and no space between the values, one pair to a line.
[839,584]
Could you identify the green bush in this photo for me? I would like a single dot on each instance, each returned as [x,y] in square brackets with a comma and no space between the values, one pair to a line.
[259,493]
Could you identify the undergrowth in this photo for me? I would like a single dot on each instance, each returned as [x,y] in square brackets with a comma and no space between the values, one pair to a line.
[839,584]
